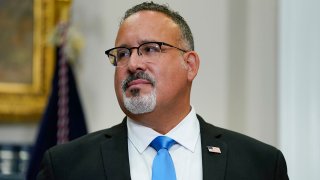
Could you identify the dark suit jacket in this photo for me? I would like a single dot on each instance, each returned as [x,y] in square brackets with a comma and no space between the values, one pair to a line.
[104,155]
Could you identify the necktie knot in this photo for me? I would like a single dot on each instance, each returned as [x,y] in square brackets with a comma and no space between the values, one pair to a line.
[162,142]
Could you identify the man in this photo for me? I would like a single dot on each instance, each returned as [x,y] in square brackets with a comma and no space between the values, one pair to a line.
[155,64]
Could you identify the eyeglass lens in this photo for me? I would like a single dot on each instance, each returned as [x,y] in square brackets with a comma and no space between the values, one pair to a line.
[120,56]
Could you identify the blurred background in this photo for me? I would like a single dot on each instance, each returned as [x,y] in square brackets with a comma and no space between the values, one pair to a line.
[259,74]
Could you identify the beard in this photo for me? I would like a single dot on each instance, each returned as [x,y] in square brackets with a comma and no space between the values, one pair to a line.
[137,103]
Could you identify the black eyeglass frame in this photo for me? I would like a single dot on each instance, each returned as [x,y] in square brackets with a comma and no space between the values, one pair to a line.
[107,52]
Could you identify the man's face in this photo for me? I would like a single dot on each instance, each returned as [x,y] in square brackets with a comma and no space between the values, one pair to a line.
[143,86]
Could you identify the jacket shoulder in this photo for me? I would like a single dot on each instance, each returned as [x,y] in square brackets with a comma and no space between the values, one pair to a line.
[233,138]
[70,159]
[247,158]
[91,140]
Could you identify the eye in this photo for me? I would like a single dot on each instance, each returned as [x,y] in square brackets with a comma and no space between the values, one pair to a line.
[122,53]
[150,48]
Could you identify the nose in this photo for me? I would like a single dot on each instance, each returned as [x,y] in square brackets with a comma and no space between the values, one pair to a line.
[135,62]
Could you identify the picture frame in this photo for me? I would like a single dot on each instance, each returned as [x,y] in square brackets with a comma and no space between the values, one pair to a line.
[23,99]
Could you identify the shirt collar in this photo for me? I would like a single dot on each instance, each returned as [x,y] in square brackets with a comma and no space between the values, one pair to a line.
[141,136]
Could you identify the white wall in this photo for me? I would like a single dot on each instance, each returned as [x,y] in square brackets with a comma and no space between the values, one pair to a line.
[299,87]
[251,68]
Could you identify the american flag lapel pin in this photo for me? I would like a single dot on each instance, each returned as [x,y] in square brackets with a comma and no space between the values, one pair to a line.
[214,149]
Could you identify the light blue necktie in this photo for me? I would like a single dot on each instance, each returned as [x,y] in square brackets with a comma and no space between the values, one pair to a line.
[162,167]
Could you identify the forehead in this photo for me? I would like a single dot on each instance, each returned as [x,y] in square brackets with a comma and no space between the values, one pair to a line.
[147,26]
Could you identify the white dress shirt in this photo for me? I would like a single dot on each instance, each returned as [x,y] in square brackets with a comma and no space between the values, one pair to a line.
[186,154]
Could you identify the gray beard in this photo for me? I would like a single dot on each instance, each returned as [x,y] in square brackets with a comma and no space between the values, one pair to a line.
[139,104]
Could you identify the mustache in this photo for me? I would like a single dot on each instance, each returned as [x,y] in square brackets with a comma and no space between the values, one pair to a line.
[138,75]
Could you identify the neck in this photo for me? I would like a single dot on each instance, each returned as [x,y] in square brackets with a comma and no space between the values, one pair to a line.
[162,120]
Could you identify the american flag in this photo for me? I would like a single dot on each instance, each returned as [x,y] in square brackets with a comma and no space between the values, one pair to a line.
[63,119]
[214,149]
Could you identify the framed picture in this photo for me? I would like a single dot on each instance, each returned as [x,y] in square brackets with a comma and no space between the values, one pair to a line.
[27,59]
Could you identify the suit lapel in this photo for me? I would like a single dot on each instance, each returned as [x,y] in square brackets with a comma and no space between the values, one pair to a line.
[115,153]
[213,163]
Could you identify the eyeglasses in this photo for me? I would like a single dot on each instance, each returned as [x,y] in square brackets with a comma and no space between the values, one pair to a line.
[119,56]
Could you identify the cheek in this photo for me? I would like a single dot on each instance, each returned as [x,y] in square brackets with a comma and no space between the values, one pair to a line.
[172,77]
[118,78]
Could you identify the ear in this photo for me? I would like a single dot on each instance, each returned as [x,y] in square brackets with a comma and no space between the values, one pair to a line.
[192,63]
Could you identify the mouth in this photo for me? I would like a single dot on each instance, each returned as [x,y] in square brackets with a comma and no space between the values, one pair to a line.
[136,81]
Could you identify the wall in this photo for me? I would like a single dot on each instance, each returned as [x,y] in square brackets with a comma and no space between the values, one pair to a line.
[299,86]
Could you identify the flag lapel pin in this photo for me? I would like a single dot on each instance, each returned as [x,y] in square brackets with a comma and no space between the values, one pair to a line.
[214,149]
